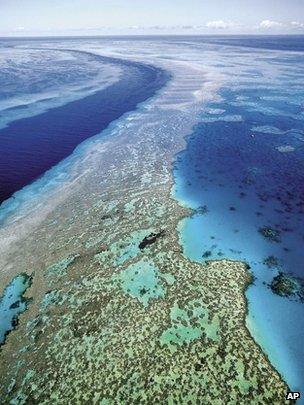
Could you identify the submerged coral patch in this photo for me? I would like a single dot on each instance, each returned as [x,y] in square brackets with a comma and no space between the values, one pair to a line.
[141,280]
[271,234]
[288,286]
[12,303]
[188,324]
[150,239]
[223,118]
[59,269]
[51,298]
[267,129]
[285,149]
[128,248]
[271,261]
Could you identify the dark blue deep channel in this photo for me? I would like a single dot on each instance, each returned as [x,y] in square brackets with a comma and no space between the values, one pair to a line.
[30,146]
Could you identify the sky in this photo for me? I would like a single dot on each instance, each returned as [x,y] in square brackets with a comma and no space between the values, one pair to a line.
[133,17]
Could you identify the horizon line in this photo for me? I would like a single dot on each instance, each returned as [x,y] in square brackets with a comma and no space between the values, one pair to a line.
[150,35]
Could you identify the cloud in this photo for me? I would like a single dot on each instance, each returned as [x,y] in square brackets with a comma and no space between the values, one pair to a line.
[157,27]
[165,27]
[268,24]
[188,27]
[219,24]
[297,24]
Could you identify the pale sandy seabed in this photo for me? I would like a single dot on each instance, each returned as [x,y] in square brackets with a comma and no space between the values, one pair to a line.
[110,322]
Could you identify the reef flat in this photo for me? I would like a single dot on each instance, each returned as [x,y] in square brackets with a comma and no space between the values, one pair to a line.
[118,313]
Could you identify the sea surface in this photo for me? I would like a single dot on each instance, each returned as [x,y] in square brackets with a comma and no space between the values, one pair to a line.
[36,132]
[242,171]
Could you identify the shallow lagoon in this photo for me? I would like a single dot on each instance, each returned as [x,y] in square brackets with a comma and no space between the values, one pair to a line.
[12,304]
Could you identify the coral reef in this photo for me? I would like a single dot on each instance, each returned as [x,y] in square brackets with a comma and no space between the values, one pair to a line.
[119,315]
[286,285]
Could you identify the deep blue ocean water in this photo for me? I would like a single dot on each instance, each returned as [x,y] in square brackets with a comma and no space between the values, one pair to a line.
[32,145]
[275,42]
[243,171]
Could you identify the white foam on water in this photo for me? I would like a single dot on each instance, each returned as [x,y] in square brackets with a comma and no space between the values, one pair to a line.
[35,80]
[180,94]
[224,118]
[214,111]
[265,129]
[285,149]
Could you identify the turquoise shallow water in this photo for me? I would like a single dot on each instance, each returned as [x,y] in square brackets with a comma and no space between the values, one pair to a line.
[12,304]
[243,171]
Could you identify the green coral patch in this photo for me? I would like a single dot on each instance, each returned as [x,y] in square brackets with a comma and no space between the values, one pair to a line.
[169,278]
[141,280]
[124,249]
[59,269]
[189,324]
[130,248]
[51,298]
